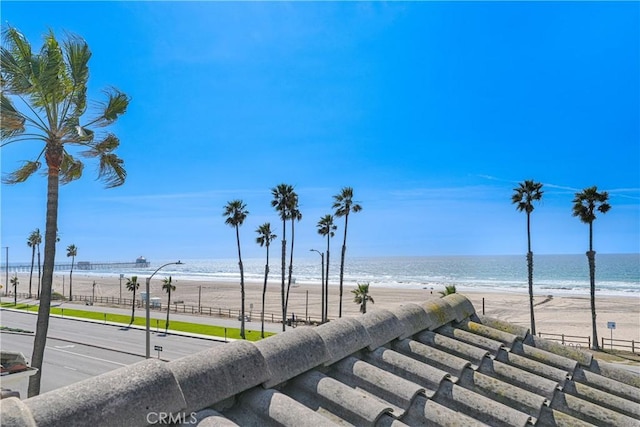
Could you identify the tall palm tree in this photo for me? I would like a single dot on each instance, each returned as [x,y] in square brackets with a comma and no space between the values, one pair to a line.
[168,287]
[585,205]
[33,241]
[523,197]
[344,205]
[235,212]
[362,296]
[72,251]
[326,228]
[51,88]
[265,237]
[132,286]
[283,195]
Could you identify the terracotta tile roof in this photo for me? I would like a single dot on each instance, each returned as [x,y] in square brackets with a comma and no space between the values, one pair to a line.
[436,363]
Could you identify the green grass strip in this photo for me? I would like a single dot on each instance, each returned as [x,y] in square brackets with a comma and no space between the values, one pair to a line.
[159,324]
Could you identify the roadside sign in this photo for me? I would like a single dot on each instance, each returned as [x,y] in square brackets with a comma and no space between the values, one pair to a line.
[158,348]
[611,326]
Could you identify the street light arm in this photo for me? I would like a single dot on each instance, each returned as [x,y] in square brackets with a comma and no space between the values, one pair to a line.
[164,265]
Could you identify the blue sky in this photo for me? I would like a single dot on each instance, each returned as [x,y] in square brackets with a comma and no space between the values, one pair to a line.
[432,112]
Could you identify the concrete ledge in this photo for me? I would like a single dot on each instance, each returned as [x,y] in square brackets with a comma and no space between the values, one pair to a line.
[216,374]
[122,397]
[292,353]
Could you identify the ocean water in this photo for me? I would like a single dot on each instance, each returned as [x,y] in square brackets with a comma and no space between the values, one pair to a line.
[553,274]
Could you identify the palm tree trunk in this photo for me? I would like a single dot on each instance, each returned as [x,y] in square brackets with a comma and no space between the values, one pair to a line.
[33,256]
[166,326]
[530,271]
[286,303]
[284,268]
[133,307]
[71,280]
[591,256]
[326,283]
[264,293]
[39,271]
[42,326]
[241,284]
[530,274]
[344,251]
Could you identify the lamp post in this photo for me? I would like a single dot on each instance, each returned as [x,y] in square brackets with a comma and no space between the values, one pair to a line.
[148,323]
[6,266]
[323,304]
[120,299]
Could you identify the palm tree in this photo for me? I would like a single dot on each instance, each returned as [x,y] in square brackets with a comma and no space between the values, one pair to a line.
[326,228]
[168,287]
[283,195]
[585,205]
[523,197]
[33,241]
[236,212]
[14,282]
[265,237]
[344,204]
[72,251]
[132,286]
[361,296]
[448,290]
[52,87]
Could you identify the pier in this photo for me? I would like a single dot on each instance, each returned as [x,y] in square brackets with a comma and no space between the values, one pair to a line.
[79,266]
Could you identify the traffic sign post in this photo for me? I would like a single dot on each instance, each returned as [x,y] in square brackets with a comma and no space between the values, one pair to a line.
[158,348]
[611,326]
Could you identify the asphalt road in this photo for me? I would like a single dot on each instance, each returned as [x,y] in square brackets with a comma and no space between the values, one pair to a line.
[77,350]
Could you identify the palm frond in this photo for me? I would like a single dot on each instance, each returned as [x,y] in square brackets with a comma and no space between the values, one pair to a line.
[16,59]
[111,170]
[23,173]
[235,212]
[11,120]
[116,105]
[70,169]
[77,54]
[107,145]
[53,81]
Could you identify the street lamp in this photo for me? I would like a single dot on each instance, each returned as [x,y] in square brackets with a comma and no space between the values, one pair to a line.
[148,324]
[324,303]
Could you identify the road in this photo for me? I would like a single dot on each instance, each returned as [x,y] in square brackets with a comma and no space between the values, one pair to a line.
[77,350]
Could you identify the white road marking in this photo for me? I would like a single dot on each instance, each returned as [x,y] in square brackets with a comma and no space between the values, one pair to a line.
[69,367]
[89,357]
[64,346]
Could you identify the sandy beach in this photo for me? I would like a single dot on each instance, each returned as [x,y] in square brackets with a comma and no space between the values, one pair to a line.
[554,314]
